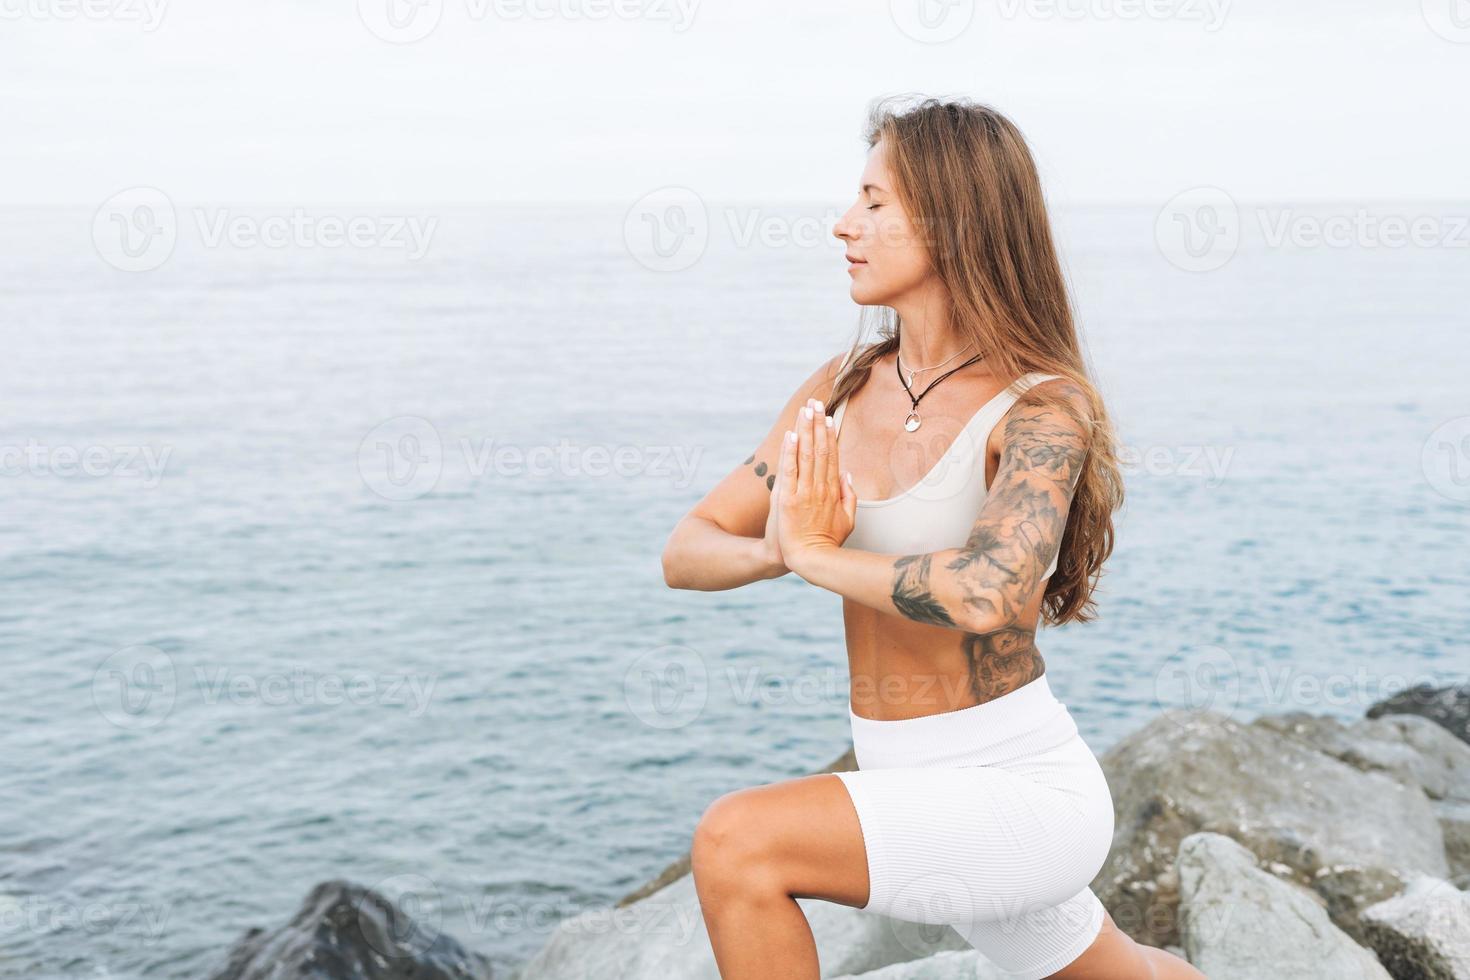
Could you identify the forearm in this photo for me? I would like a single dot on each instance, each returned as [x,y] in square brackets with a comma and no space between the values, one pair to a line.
[929,588]
[704,557]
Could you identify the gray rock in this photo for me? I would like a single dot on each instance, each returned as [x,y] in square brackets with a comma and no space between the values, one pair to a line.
[1423,933]
[346,932]
[663,935]
[1353,836]
[1412,749]
[1241,923]
[1446,706]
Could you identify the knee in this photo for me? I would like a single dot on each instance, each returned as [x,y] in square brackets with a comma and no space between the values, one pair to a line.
[727,853]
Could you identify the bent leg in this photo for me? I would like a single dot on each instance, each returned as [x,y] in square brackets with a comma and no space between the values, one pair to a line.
[755,852]
[1115,955]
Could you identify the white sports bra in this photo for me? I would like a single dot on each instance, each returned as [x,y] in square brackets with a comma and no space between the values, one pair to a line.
[940,510]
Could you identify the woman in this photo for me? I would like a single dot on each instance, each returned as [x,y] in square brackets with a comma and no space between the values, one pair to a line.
[973,496]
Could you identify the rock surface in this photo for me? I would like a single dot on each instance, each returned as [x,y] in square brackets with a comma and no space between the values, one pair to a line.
[1423,933]
[1353,836]
[1242,923]
[346,932]
[1448,707]
[664,935]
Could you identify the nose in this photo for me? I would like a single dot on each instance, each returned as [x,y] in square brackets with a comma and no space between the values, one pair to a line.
[843,229]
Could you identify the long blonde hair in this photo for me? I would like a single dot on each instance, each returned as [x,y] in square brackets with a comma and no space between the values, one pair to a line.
[968,181]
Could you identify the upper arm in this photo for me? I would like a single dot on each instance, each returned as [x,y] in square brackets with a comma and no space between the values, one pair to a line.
[1019,531]
[741,502]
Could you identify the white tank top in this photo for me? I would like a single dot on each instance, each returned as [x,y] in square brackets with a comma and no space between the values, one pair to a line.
[940,510]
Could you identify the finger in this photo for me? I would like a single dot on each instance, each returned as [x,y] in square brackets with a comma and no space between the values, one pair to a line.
[822,475]
[787,478]
[804,451]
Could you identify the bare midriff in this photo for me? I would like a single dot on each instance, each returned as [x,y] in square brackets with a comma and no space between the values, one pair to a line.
[902,669]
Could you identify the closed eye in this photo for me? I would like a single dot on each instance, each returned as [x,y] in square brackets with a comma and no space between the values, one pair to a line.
[874,207]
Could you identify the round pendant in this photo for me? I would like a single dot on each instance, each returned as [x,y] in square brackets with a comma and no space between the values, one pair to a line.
[912,422]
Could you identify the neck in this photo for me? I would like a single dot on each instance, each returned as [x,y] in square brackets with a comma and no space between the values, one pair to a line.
[925,336]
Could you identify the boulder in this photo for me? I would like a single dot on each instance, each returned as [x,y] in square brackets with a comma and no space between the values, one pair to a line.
[1410,748]
[1241,923]
[1448,707]
[345,931]
[1423,933]
[663,935]
[1354,836]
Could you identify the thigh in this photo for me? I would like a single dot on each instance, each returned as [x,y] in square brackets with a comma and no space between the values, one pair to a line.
[963,846]
[801,836]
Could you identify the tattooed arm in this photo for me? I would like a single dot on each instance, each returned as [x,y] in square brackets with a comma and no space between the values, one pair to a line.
[983,587]
[721,543]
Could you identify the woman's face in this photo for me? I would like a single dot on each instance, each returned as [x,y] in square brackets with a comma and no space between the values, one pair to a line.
[891,258]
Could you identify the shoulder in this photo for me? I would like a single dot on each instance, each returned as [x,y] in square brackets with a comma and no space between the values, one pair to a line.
[1060,394]
[1053,417]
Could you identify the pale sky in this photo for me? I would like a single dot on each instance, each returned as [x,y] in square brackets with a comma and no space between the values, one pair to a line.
[1124,101]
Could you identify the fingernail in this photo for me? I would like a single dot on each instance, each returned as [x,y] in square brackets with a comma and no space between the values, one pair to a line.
[806,412]
[790,436]
[829,421]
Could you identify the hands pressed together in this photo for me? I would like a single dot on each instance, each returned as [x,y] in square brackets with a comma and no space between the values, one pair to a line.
[813,504]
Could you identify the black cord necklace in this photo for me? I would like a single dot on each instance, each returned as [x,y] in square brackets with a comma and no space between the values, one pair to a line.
[914,421]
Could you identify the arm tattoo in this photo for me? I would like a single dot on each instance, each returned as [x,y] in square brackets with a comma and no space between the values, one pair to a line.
[1017,535]
[911,593]
[761,469]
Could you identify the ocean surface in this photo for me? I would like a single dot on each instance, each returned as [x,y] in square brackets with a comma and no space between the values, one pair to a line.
[326,561]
